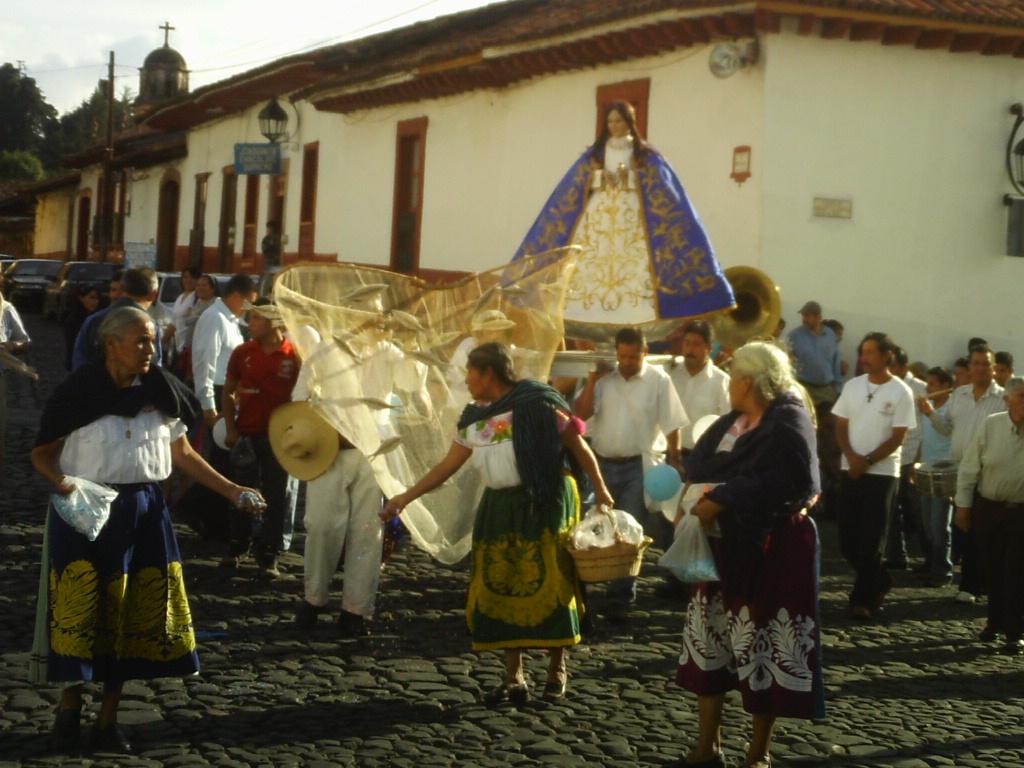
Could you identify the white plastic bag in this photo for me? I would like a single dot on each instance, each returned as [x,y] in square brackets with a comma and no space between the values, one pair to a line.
[598,527]
[87,508]
[689,558]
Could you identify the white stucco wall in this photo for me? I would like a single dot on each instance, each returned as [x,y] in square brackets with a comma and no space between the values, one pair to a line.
[916,139]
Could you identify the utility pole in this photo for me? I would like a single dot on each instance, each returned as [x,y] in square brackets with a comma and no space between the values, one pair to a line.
[106,218]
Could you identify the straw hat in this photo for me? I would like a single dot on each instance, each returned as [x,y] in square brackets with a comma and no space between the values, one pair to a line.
[268,311]
[302,440]
[491,320]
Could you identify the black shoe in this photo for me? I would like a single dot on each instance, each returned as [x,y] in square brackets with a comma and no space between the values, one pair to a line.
[1014,648]
[352,624]
[518,695]
[496,696]
[895,565]
[67,731]
[110,739]
[305,616]
[988,634]
[923,569]
[715,761]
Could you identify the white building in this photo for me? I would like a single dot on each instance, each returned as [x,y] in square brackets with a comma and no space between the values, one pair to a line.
[876,135]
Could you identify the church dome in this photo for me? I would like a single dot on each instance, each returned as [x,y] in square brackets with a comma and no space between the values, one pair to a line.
[164,56]
[163,75]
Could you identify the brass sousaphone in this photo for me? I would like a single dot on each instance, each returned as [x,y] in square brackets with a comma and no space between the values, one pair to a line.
[757,311]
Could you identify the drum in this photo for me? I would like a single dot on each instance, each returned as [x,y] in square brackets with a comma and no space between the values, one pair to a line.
[937,479]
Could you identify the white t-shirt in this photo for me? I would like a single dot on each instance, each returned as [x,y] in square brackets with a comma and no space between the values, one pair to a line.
[705,393]
[891,405]
[119,449]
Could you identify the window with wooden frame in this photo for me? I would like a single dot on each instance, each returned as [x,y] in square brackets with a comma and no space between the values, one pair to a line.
[277,190]
[634,92]
[228,204]
[252,212]
[407,218]
[197,236]
[307,198]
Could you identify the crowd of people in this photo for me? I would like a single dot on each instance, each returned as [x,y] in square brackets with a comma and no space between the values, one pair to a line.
[219,394]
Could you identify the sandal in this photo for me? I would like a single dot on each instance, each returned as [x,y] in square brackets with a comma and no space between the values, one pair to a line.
[555,689]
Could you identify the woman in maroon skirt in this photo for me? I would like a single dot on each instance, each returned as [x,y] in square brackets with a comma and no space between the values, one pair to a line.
[757,630]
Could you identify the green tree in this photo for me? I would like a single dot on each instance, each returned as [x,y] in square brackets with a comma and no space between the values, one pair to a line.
[85,125]
[25,117]
[19,165]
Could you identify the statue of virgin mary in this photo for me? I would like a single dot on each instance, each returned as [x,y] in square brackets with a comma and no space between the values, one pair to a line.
[644,258]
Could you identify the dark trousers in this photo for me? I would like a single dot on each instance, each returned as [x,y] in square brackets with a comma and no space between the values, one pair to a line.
[829,457]
[903,519]
[253,464]
[864,508]
[970,569]
[999,539]
[625,481]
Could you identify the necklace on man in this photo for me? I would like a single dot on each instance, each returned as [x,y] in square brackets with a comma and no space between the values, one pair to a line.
[872,392]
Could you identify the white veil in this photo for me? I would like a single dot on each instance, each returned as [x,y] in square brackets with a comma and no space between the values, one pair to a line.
[378,367]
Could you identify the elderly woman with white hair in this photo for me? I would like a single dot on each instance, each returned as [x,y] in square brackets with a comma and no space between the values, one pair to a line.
[757,630]
[113,607]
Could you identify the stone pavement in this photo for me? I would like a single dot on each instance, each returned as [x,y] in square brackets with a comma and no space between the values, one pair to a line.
[914,689]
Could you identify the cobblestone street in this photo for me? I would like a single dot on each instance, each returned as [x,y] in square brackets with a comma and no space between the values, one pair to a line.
[913,689]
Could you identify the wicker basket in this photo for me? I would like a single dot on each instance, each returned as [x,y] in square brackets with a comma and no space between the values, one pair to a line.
[606,563]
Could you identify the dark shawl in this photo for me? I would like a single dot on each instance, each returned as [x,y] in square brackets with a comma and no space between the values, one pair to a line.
[770,474]
[535,437]
[90,393]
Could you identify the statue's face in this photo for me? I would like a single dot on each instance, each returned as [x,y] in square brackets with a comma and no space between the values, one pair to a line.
[617,126]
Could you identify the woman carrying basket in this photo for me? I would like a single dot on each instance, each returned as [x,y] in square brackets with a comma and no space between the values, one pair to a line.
[523,591]
[757,630]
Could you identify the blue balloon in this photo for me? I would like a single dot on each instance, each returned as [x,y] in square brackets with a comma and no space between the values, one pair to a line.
[662,482]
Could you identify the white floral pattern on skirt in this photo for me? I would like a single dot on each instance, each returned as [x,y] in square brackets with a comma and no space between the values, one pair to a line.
[780,652]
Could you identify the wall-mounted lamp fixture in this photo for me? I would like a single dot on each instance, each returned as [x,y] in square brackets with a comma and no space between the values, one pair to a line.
[273,121]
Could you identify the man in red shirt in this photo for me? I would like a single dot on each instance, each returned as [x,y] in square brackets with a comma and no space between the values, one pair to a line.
[260,377]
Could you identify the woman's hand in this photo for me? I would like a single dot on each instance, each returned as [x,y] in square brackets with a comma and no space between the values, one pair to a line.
[63,486]
[707,511]
[604,498]
[394,507]
[248,500]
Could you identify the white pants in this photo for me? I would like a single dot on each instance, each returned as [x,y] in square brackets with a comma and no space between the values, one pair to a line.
[342,513]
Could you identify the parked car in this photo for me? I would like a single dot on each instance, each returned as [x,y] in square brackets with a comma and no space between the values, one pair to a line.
[26,280]
[75,275]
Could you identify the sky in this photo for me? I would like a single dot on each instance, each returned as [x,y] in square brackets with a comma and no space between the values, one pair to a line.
[65,44]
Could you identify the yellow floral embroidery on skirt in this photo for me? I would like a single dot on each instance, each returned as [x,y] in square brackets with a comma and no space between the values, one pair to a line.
[520,581]
[145,615]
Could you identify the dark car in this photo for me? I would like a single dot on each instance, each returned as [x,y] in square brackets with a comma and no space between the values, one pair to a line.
[74,276]
[26,280]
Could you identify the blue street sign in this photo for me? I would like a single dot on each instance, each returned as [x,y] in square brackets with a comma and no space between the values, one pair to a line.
[256,159]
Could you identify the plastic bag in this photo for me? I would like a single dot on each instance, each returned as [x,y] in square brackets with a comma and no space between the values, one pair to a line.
[87,508]
[689,558]
[598,529]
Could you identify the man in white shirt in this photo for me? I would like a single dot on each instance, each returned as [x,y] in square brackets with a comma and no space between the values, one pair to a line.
[15,341]
[969,406]
[905,516]
[176,333]
[873,414]
[218,332]
[703,387]
[633,413]
[990,501]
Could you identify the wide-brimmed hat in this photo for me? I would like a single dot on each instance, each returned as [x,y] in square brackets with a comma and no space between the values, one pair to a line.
[491,320]
[304,443]
[269,311]
[811,308]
